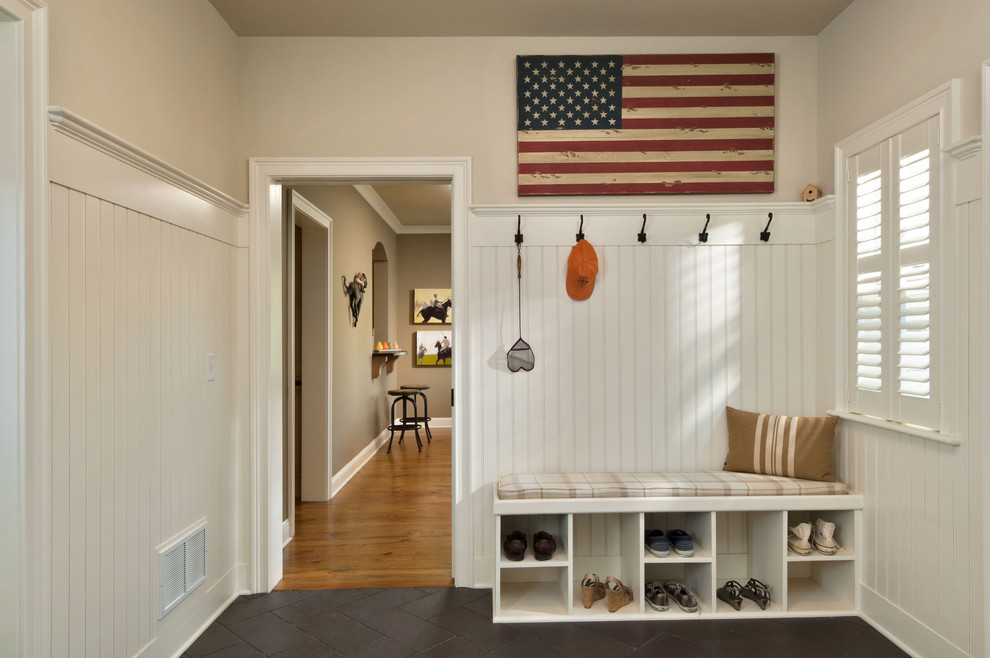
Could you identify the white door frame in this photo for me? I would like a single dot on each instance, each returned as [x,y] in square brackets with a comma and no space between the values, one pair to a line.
[266,177]
[25,397]
[317,473]
[985,204]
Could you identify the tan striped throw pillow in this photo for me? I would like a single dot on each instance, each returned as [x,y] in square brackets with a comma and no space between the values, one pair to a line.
[793,446]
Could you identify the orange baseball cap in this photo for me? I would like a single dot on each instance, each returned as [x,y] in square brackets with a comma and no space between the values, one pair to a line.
[582,268]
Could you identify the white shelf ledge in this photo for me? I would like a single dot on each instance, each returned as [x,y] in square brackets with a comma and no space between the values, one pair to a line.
[890,425]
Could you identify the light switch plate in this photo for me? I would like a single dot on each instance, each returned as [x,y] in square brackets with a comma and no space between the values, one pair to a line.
[211,367]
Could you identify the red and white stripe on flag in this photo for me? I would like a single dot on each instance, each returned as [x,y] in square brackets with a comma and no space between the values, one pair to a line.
[646,124]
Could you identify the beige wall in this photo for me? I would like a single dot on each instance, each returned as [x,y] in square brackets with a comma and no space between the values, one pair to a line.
[161,75]
[360,411]
[879,55]
[424,262]
[456,97]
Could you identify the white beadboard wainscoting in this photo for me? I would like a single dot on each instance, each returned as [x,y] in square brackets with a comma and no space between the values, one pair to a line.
[143,446]
[924,555]
[637,377]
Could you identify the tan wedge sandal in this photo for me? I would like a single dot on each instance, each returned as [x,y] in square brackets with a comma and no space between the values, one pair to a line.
[592,589]
[618,594]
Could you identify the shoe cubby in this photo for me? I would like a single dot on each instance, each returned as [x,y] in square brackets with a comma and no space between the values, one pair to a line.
[750,545]
[844,535]
[822,586]
[696,576]
[819,583]
[697,524]
[532,589]
[607,545]
[737,540]
[556,524]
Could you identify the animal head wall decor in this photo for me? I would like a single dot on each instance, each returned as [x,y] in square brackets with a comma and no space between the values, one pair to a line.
[355,292]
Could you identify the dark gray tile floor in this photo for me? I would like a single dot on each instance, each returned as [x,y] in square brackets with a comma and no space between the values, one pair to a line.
[442,622]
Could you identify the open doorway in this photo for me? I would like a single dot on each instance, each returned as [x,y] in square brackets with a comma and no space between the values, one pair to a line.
[308,429]
[387,316]
[267,178]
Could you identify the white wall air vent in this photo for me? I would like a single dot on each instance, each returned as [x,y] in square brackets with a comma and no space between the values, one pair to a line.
[181,568]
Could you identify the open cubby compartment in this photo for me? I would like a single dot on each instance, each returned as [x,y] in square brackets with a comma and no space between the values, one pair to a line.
[532,594]
[821,587]
[845,533]
[751,545]
[608,544]
[557,525]
[531,590]
[700,525]
[696,576]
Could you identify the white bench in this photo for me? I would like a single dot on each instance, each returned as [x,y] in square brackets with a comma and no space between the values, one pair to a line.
[739,523]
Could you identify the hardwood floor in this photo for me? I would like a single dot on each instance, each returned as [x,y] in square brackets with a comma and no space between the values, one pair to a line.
[389,526]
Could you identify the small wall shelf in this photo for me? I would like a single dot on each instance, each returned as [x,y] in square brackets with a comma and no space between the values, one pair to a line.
[386,358]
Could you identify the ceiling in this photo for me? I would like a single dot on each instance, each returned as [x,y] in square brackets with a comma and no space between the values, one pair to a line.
[430,18]
[423,208]
[410,207]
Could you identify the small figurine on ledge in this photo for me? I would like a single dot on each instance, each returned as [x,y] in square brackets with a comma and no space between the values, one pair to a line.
[811,193]
[355,291]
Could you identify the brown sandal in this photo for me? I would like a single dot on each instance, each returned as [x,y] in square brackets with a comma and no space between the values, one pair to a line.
[592,589]
[617,593]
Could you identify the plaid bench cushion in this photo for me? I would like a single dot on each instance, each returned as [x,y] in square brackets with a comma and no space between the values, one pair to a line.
[658,485]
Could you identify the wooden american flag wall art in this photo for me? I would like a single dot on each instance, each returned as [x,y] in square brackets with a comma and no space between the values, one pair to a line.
[645,124]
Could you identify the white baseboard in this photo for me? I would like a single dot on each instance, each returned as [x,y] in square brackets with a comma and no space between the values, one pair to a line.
[344,475]
[286,537]
[907,632]
[442,423]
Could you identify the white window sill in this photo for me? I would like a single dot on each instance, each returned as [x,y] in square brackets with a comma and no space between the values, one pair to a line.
[911,430]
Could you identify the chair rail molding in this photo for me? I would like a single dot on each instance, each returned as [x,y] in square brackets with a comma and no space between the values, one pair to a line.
[75,126]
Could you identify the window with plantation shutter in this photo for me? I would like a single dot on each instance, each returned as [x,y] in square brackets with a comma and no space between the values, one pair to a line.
[892,206]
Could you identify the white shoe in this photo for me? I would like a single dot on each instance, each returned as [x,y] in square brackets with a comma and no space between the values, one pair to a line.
[798,541]
[823,541]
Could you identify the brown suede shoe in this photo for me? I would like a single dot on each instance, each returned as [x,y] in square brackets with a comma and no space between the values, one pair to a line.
[592,589]
[617,593]
[515,546]
[544,545]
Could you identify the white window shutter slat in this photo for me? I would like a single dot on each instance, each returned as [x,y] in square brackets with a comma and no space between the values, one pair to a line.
[893,208]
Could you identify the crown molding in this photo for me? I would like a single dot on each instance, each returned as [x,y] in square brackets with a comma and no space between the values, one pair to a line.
[379,205]
[73,125]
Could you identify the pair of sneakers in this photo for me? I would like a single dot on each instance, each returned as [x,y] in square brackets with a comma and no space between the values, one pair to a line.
[659,544]
[820,536]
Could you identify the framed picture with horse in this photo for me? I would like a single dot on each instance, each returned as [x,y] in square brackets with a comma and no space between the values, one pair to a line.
[433,348]
[431,306]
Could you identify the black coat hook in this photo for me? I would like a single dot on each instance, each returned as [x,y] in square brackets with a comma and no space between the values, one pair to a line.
[703,236]
[642,232]
[580,233]
[519,235]
[765,234]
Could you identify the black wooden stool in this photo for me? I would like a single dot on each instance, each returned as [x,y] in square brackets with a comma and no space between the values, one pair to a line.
[408,422]
[425,418]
